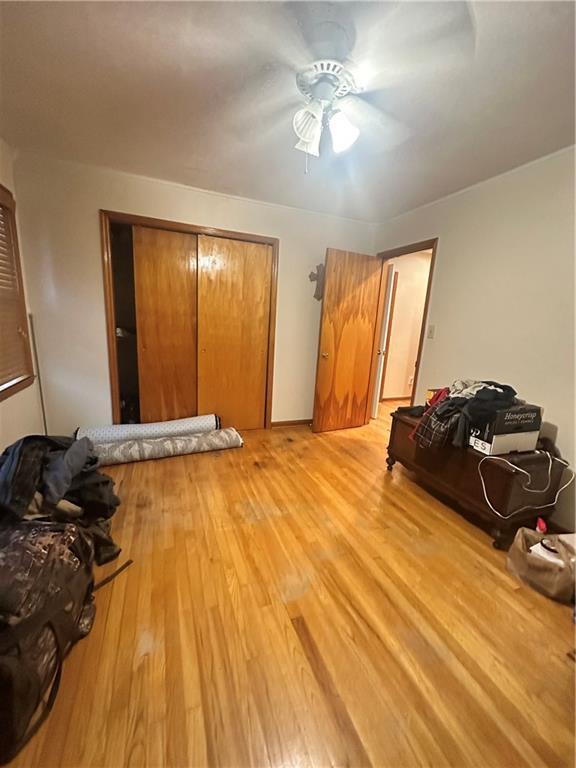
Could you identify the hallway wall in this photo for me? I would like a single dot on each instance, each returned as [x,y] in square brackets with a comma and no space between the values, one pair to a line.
[413,270]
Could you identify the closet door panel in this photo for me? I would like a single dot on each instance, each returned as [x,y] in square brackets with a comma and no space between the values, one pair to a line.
[234,287]
[165,275]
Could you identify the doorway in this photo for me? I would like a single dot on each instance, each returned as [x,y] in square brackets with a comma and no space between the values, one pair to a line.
[402,327]
[356,328]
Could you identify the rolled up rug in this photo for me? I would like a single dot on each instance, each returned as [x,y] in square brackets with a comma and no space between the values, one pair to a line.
[193,425]
[122,452]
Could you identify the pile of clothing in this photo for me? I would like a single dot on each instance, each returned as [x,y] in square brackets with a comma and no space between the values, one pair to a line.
[57,479]
[454,411]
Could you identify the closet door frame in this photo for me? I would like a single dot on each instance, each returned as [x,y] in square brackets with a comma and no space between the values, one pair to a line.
[115,217]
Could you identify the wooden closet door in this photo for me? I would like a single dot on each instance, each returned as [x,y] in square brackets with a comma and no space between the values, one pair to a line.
[165,274]
[351,313]
[234,290]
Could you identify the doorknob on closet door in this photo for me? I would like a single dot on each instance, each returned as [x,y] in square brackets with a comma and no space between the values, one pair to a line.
[325,354]
[379,352]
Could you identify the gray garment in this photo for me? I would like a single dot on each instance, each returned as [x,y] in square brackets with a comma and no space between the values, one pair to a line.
[160,447]
[469,387]
[62,467]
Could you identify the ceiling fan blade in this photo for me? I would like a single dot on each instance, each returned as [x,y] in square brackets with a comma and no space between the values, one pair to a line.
[262,91]
[269,30]
[382,131]
[327,29]
[415,40]
[266,119]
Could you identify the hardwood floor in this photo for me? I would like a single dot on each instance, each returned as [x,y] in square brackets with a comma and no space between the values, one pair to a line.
[291,603]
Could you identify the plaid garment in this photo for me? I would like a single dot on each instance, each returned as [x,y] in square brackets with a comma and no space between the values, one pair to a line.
[433,430]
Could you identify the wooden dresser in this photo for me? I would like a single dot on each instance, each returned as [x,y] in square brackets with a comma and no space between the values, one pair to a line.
[453,472]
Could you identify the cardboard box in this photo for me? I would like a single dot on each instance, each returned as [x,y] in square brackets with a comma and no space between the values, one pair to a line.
[516,441]
[512,420]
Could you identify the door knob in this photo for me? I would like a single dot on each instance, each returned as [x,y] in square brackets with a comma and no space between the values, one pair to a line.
[379,352]
[325,354]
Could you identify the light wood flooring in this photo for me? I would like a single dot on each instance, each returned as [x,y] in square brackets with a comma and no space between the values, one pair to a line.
[292,603]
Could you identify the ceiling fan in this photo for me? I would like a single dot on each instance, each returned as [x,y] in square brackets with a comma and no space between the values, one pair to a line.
[323,84]
[410,41]
[344,74]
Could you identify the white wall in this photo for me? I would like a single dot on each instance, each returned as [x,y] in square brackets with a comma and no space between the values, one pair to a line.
[59,204]
[413,270]
[502,299]
[20,414]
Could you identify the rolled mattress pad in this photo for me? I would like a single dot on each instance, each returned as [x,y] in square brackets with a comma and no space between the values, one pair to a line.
[193,425]
[122,452]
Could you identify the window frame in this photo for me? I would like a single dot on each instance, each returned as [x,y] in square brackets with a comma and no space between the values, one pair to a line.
[10,388]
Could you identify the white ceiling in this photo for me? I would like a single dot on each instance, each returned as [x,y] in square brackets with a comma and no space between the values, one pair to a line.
[204,93]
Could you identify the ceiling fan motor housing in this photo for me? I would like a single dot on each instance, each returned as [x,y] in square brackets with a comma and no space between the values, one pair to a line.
[326,80]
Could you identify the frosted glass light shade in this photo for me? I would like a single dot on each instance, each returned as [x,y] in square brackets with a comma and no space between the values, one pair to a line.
[307,126]
[343,132]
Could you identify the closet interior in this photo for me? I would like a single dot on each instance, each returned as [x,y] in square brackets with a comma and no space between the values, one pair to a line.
[125,326]
[191,320]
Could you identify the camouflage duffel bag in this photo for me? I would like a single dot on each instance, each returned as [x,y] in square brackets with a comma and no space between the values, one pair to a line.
[45,607]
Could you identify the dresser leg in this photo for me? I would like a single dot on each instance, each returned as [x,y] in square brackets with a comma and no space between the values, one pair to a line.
[390,461]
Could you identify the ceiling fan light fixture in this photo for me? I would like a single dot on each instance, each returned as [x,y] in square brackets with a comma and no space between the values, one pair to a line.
[343,132]
[307,124]
[310,147]
[323,84]
[308,120]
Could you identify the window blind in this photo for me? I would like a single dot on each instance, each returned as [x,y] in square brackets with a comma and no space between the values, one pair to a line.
[15,355]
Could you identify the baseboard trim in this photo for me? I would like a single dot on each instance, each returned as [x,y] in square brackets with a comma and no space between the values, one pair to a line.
[293,423]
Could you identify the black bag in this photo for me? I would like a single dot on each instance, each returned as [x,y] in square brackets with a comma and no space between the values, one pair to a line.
[45,607]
